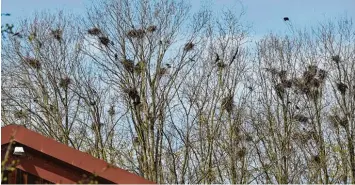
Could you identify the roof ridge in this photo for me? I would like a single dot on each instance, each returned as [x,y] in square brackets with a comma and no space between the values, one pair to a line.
[69,155]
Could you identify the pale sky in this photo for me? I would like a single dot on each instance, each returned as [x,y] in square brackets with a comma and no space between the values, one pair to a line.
[263,15]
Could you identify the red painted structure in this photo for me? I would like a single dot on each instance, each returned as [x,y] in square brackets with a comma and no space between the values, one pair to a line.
[57,163]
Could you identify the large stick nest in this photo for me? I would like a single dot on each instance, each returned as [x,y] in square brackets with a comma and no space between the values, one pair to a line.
[136,33]
[57,34]
[128,65]
[228,104]
[94,31]
[189,46]
[64,82]
[104,40]
[34,63]
[342,87]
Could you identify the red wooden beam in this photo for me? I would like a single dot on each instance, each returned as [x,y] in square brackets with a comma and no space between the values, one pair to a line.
[69,155]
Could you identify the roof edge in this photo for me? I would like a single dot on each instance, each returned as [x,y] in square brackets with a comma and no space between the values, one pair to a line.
[69,155]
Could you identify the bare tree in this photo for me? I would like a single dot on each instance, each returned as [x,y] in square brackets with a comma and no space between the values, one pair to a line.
[178,97]
[38,69]
[298,86]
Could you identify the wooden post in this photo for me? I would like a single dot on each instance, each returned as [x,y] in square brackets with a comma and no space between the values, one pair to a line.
[25,178]
[12,177]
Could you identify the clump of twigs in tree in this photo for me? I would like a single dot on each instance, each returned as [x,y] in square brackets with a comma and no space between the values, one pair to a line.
[57,34]
[228,103]
[315,82]
[241,152]
[32,36]
[189,46]
[94,31]
[139,67]
[287,83]
[133,94]
[34,63]
[342,87]
[96,126]
[311,82]
[344,122]
[322,74]
[162,71]
[316,159]
[64,82]
[136,33]
[336,58]
[111,111]
[135,141]
[309,74]
[282,75]
[221,65]
[301,118]
[104,40]
[52,108]
[301,85]
[20,114]
[283,83]
[336,120]
[248,138]
[302,137]
[128,65]
[273,71]
[280,90]
[312,69]
[314,94]
[152,28]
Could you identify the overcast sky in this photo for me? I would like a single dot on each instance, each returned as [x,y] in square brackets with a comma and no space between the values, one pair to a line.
[263,15]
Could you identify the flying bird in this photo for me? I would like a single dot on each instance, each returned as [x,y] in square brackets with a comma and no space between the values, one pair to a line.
[286,19]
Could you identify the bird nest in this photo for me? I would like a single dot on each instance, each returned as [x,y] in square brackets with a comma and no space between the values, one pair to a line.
[241,152]
[136,33]
[189,46]
[287,83]
[301,118]
[342,87]
[221,65]
[311,82]
[316,159]
[280,90]
[322,74]
[336,58]
[104,40]
[20,114]
[228,104]
[111,111]
[162,71]
[94,31]
[64,82]
[57,34]
[134,95]
[139,67]
[34,63]
[136,141]
[152,28]
[128,65]
[282,75]
[335,120]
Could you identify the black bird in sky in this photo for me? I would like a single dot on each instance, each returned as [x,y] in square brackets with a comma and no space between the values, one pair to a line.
[286,19]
